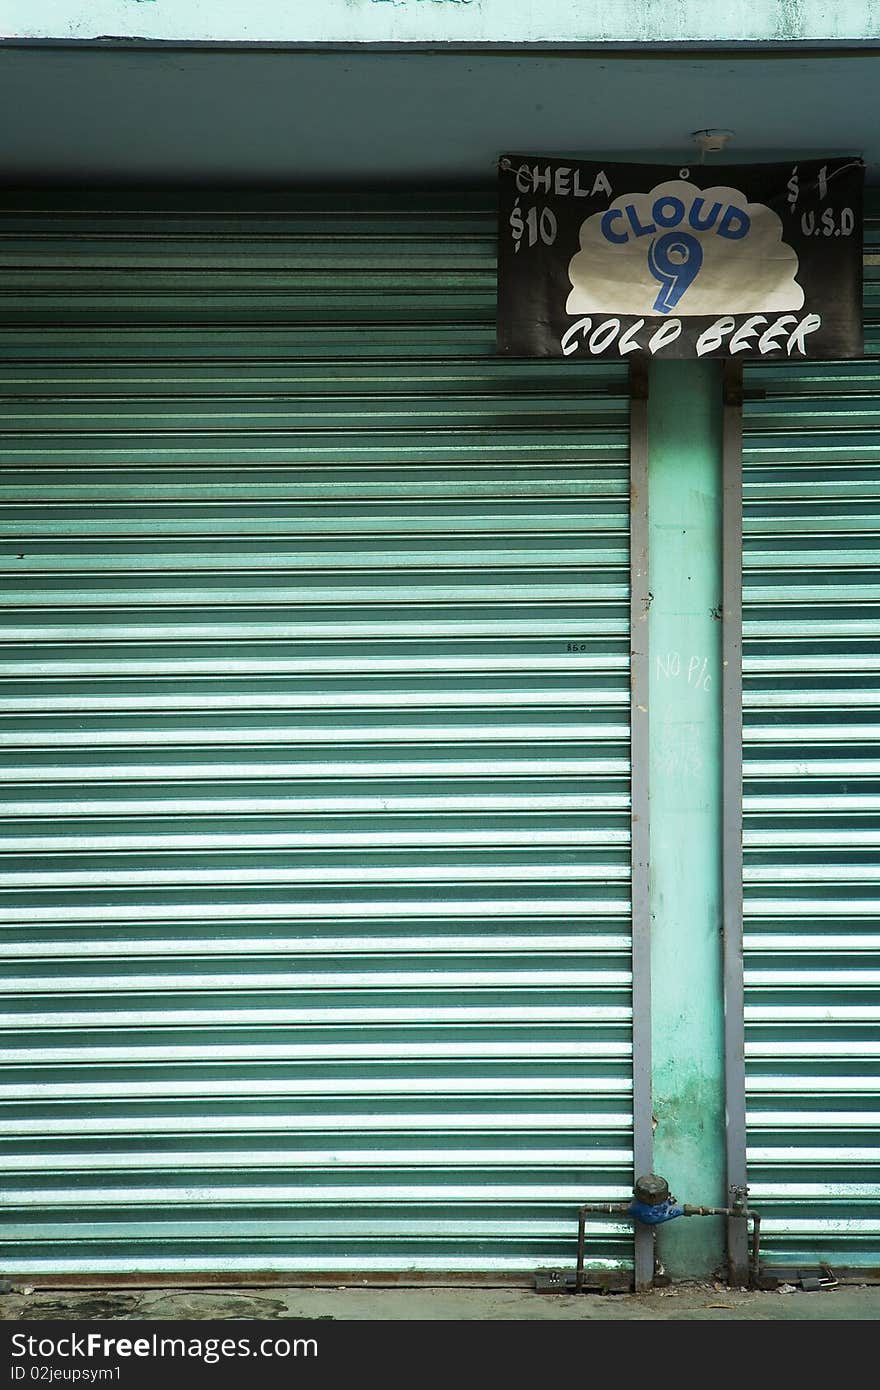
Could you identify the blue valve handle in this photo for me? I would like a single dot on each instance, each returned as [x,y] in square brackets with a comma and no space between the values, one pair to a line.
[656,1215]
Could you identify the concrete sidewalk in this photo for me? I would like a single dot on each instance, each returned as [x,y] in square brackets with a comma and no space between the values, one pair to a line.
[703,1302]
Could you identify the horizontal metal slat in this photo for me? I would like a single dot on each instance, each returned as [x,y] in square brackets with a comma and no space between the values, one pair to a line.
[71,380]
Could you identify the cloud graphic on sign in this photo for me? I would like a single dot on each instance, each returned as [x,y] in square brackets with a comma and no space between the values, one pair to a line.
[745,274]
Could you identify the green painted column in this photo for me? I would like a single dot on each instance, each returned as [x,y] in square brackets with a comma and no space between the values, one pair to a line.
[684,432]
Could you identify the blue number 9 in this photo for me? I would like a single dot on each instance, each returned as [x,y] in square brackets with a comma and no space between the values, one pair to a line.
[674,260]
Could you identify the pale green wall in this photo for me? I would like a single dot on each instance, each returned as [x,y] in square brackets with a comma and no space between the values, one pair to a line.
[684,424]
[464,21]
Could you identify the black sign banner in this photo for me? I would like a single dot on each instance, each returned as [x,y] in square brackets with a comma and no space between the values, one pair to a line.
[605,260]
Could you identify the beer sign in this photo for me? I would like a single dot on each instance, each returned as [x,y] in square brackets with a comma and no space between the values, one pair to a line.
[605,260]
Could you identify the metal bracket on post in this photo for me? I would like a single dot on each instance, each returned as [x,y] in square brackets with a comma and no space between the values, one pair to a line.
[732,383]
[638,377]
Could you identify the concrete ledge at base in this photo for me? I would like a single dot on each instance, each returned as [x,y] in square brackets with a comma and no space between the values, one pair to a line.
[687,1301]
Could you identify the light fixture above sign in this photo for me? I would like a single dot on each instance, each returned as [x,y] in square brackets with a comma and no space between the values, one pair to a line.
[711,141]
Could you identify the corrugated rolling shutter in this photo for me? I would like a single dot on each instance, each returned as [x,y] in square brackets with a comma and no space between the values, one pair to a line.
[314,699]
[811,672]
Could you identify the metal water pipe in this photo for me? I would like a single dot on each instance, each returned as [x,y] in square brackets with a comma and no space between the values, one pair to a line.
[653,1205]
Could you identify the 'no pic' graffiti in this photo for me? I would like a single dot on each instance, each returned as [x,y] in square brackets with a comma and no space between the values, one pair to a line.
[694,670]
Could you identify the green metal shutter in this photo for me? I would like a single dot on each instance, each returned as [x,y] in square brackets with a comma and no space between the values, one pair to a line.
[315,712]
[811,669]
